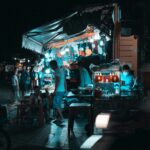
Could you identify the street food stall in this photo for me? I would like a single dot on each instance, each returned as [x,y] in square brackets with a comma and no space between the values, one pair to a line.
[92,38]
[93,34]
[86,34]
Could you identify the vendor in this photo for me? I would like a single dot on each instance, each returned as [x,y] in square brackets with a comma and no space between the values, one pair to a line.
[127,78]
[85,78]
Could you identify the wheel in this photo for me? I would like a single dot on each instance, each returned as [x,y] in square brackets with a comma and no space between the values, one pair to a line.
[5,142]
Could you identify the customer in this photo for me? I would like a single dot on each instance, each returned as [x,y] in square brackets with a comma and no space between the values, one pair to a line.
[60,88]
[34,79]
[127,78]
[28,81]
[15,86]
[24,81]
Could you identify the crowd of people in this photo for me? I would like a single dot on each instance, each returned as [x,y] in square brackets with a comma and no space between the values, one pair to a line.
[30,81]
[26,82]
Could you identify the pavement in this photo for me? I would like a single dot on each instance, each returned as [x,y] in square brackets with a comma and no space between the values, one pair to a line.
[52,137]
[32,137]
[22,137]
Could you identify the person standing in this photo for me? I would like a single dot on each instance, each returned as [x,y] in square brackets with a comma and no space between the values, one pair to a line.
[23,80]
[34,79]
[28,81]
[15,86]
[85,78]
[60,89]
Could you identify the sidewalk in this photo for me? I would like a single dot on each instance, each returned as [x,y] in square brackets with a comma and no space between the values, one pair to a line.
[5,95]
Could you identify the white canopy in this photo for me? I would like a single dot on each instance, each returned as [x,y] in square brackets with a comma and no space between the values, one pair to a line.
[74,25]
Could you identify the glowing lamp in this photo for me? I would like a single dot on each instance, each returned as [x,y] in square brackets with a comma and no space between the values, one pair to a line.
[66,49]
[91,40]
[102,120]
[107,38]
[46,55]
[62,52]
[101,43]
[47,71]
[97,36]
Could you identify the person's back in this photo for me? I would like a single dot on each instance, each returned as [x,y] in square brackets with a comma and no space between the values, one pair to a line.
[85,78]
[59,72]
[60,88]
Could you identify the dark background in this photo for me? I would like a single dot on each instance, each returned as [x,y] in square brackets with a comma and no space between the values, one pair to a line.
[20,16]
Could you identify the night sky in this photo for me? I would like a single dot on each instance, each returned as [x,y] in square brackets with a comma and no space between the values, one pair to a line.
[20,16]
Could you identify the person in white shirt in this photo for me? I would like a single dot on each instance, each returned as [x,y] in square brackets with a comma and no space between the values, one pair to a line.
[15,86]
[60,89]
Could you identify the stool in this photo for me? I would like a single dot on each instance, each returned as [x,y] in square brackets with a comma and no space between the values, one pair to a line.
[74,109]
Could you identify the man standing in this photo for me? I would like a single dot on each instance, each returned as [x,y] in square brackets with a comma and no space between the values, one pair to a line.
[60,88]
[15,86]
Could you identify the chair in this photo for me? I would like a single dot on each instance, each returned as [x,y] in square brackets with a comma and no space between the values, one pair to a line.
[74,110]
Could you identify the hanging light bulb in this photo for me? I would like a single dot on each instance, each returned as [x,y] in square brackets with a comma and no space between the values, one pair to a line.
[91,40]
[97,36]
[63,52]
[101,43]
[107,38]
[67,49]
[46,55]
[93,45]
[47,71]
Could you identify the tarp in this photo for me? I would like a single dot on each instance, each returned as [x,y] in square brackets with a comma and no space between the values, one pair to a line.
[68,29]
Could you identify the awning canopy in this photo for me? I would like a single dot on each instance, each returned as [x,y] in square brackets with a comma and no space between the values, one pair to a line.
[69,29]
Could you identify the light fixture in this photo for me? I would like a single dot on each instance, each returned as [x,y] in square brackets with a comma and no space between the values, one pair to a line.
[67,49]
[101,43]
[46,55]
[97,36]
[47,71]
[91,40]
[63,52]
[107,38]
